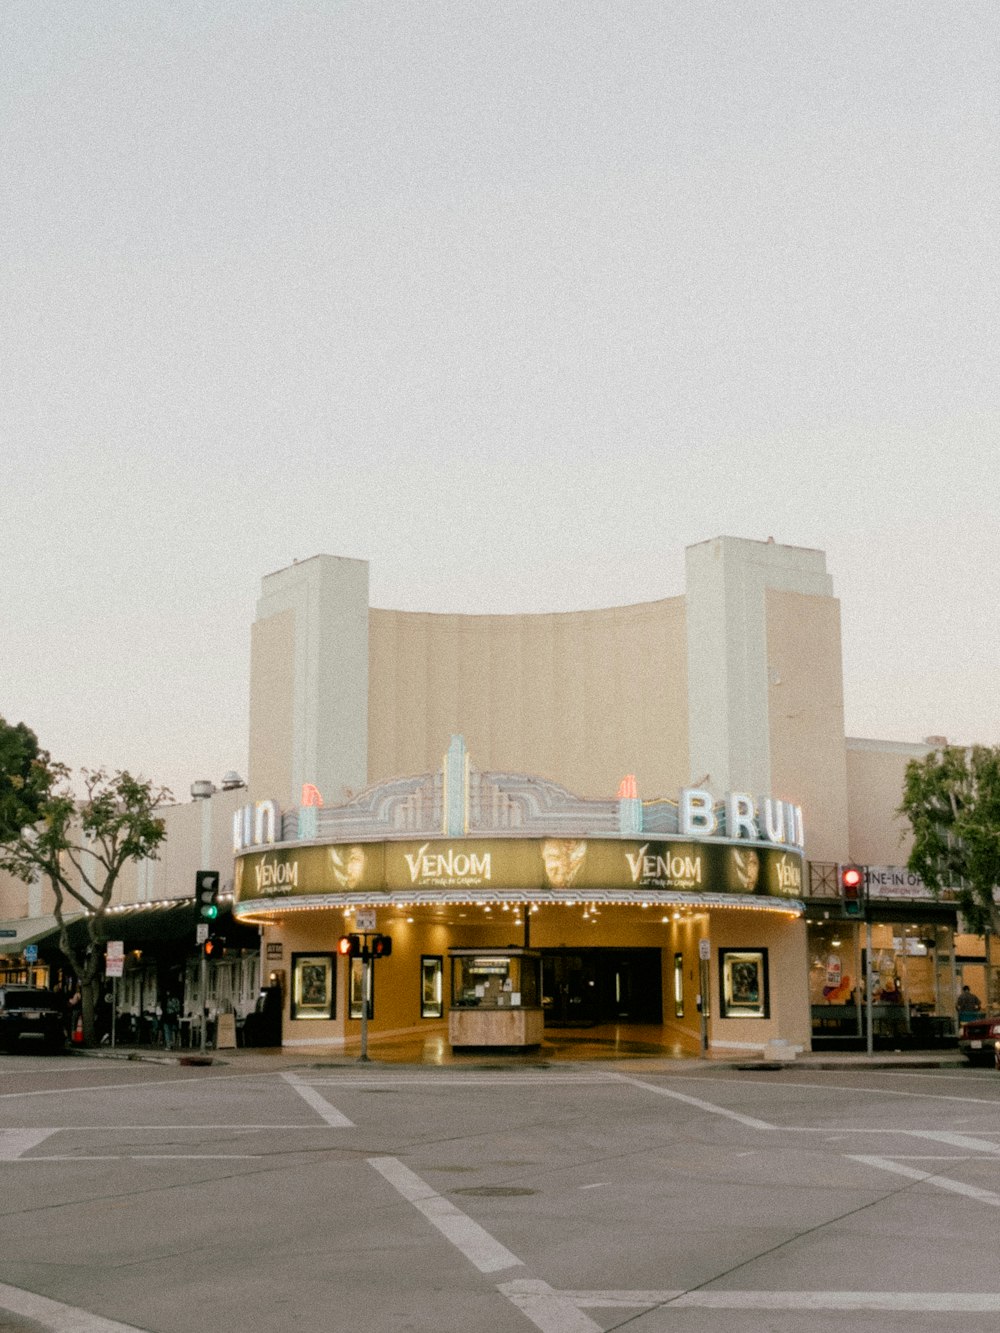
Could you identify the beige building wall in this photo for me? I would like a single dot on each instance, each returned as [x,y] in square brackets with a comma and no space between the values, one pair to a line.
[805,704]
[309,681]
[581,698]
[875,772]
[272,699]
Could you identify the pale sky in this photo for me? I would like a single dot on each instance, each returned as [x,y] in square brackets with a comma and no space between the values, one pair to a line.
[513,299]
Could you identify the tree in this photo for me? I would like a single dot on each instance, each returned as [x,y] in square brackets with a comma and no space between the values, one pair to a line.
[79,844]
[952,799]
[21,774]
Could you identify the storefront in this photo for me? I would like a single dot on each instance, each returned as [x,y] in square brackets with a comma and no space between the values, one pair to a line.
[892,966]
[613,898]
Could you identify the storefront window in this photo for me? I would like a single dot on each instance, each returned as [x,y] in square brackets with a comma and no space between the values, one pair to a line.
[355,988]
[910,975]
[678,985]
[431,972]
[495,981]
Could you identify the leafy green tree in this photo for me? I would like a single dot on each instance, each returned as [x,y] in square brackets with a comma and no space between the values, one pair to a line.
[79,842]
[22,777]
[951,798]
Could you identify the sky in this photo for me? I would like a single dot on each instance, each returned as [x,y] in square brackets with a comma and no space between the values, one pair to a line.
[515,301]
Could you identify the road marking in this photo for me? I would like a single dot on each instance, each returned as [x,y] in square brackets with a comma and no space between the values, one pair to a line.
[955,1140]
[928,1178]
[148,1157]
[54,1315]
[318,1102]
[463,1081]
[548,1310]
[749,1120]
[14,1142]
[478,1246]
[912,1302]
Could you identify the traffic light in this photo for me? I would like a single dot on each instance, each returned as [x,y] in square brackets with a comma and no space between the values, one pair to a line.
[213,947]
[852,890]
[381,946]
[206,892]
[349,946]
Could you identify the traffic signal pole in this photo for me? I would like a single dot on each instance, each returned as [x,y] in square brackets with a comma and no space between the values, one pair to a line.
[366,963]
[203,992]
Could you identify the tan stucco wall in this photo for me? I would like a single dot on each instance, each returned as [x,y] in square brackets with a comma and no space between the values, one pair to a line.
[875,771]
[272,706]
[806,712]
[581,698]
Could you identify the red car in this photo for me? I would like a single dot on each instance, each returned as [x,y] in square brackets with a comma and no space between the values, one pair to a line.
[979,1039]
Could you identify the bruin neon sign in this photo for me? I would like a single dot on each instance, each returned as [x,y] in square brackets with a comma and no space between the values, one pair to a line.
[256,825]
[762,820]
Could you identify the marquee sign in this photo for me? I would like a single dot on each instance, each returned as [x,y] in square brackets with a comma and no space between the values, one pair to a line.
[559,866]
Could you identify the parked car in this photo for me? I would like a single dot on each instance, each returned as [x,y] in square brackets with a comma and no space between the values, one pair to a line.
[31,1017]
[978,1038]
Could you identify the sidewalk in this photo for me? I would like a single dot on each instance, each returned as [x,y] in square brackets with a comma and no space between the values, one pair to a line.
[596,1046]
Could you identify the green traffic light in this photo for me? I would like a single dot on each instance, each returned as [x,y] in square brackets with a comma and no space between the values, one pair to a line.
[211,911]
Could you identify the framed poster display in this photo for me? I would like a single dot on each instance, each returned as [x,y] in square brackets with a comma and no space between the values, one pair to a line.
[431,984]
[313,993]
[355,989]
[743,982]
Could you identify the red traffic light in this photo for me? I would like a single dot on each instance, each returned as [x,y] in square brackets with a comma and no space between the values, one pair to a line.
[213,947]
[349,946]
[852,890]
[381,946]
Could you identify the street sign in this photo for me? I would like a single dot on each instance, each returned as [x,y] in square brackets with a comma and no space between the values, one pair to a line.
[116,948]
[704,950]
[113,967]
[201,932]
[365,919]
[31,953]
[8,934]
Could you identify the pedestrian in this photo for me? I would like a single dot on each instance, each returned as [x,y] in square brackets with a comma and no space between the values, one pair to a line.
[968,1002]
[170,1020]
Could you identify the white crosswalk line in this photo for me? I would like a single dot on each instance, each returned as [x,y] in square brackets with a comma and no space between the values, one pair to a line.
[928,1178]
[15,1142]
[318,1102]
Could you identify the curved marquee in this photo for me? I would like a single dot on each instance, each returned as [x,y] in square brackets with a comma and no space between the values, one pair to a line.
[542,869]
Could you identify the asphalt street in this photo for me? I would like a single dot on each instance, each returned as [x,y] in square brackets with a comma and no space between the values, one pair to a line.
[567,1198]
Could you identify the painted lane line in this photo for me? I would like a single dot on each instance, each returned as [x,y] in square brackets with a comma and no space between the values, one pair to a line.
[230,1128]
[620,1300]
[318,1102]
[14,1142]
[550,1311]
[748,1120]
[388,1081]
[55,1316]
[912,1302]
[928,1178]
[149,1157]
[478,1246]
[956,1140]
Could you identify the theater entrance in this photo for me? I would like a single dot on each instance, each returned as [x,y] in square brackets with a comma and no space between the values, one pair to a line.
[585,987]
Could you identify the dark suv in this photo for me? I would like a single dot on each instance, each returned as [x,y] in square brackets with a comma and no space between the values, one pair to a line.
[31,1016]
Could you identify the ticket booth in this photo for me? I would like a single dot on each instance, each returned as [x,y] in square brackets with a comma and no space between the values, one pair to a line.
[496,998]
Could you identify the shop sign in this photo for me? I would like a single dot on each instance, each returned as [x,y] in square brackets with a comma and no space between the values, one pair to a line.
[561,865]
[256,825]
[895,882]
[740,816]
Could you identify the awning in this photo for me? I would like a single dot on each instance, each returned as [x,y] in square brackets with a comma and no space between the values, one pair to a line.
[14,935]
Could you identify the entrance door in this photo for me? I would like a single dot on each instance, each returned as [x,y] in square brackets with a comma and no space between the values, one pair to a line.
[569,989]
[583,987]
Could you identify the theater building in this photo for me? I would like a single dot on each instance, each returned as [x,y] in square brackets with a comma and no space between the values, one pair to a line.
[630,816]
[673,761]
